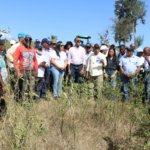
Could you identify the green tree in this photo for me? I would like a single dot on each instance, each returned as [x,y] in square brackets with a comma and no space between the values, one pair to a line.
[139,41]
[131,11]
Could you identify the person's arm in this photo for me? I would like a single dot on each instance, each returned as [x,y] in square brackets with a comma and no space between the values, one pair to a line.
[54,63]
[137,70]
[113,75]
[105,74]
[147,59]
[2,84]
[35,65]
[66,62]
[88,68]
[69,60]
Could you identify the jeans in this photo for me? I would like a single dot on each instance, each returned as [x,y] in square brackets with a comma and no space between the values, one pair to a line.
[39,81]
[46,77]
[58,77]
[126,81]
[147,86]
[111,81]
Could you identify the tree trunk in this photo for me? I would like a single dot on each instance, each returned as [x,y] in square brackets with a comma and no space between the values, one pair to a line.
[134,31]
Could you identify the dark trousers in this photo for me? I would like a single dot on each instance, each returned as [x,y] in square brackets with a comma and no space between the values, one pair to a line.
[2,103]
[13,78]
[75,73]
[39,81]
[26,85]
[46,77]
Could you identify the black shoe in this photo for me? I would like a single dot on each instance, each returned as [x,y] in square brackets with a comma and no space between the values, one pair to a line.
[55,98]
[45,98]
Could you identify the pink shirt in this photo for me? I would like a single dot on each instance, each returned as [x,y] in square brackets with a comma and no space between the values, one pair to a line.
[76,56]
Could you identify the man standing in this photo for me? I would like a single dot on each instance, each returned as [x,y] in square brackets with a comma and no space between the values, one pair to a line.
[76,61]
[88,54]
[46,54]
[122,51]
[104,50]
[53,43]
[133,46]
[129,66]
[27,67]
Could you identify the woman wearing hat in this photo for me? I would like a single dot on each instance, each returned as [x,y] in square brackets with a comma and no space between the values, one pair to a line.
[67,47]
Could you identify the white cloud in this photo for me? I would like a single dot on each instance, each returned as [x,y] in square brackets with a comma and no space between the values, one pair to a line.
[6,36]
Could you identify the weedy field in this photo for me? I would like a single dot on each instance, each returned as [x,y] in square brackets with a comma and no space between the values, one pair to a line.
[76,123]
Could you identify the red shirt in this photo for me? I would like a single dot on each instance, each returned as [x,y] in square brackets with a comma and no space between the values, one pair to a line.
[27,59]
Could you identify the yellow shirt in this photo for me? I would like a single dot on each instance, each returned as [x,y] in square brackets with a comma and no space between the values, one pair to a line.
[95,67]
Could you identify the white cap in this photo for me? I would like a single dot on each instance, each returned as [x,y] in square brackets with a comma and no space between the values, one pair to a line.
[139,50]
[104,48]
[12,42]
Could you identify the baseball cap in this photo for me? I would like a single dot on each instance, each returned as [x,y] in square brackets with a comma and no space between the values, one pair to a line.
[39,47]
[104,47]
[28,37]
[88,45]
[139,50]
[130,49]
[2,42]
[21,35]
[37,41]
[45,40]
[50,42]
[96,46]
[12,42]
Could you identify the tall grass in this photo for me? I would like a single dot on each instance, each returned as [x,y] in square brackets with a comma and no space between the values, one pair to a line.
[76,122]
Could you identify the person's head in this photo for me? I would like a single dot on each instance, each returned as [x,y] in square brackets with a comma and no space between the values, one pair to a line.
[21,37]
[38,49]
[139,52]
[111,52]
[104,49]
[45,43]
[88,47]
[122,49]
[68,45]
[147,51]
[27,41]
[112,45]
[37,42]
[61,45]
[12,42]
[132,46]
[96,49]
[129,52]
[2,46]
[53,43]
[77,41]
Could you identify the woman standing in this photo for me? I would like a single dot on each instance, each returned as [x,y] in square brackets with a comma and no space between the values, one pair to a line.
[67,47]
[59,63]
[111,69]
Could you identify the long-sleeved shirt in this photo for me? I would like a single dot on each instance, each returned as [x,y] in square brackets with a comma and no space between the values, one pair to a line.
[10,54]
[95,67]
[76,56]
[27,59]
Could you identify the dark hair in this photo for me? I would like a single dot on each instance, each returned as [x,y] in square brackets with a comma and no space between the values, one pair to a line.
[68,43]
[57,49]
[122,46]
[76,38]
[114,57]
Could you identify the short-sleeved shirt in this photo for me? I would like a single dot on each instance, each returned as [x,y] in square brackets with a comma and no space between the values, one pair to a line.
[60,61]
[41,70]
[142,59]
[146,65]
[129,64]
[46,53]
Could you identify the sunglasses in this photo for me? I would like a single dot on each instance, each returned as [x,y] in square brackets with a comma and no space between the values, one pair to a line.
[61,45]
[53,43]
[79,41]
[88,47]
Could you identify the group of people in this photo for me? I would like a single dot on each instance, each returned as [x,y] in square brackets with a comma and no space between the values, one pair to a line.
[51,61]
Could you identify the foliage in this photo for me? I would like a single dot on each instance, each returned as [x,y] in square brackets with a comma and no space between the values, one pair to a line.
[139,41]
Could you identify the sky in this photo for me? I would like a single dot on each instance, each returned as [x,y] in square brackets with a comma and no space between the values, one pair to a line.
[64,18]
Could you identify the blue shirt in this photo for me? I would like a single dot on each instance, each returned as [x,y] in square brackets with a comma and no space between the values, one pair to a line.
[135,53]
[129,64]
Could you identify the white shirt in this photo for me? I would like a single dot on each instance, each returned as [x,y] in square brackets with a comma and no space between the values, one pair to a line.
[47,55]
[87,56]
[60,61]
[146,65]
[95,67]
[142,59]
[11,65]
[41,70]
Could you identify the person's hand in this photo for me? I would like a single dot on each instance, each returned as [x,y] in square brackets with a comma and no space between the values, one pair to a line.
[128,75]
[106,75]
[35,73]
[81,72]
[41,64]
[20,75]
[113,75]
[69,71]
[102,60]
[87,76]
[3,89]
[61,68]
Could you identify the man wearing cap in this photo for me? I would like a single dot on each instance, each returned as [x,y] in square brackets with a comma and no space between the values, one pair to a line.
[27,67]
[76,62]
[133,46]
[53,43]
[104,50]
[129,66]
[94,70]
[88,54]
[46,52]
[10,54]
[36,42]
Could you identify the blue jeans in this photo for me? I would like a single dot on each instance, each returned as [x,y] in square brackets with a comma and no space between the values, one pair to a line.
[75,73]
[147,86]
[46,77]
[58,77]
[126,81]
[111,80]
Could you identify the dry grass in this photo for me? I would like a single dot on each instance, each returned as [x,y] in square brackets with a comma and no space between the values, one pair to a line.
[71,124]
